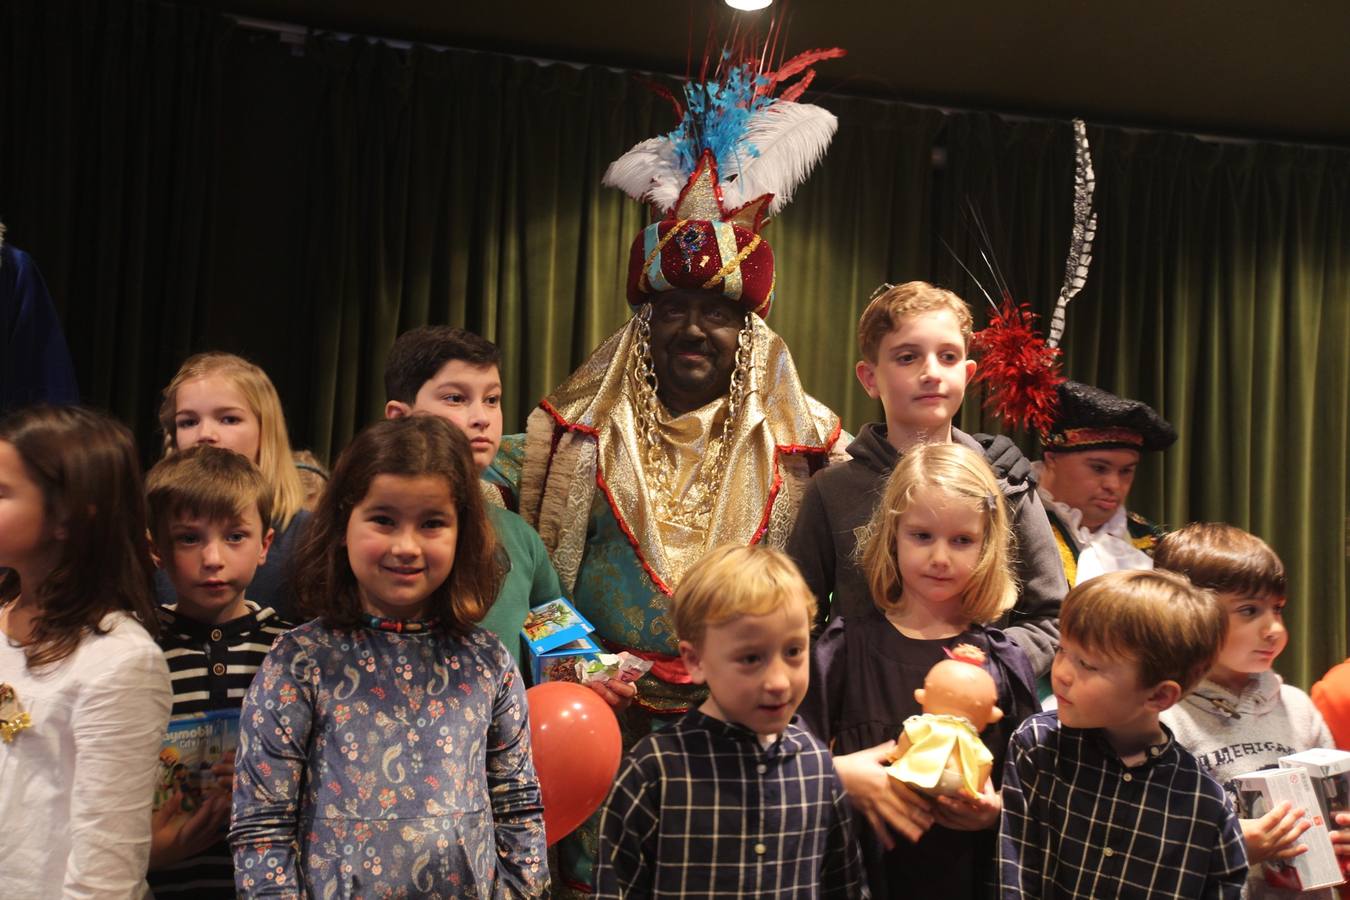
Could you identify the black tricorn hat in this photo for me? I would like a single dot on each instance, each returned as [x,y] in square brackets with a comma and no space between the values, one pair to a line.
[1093,419]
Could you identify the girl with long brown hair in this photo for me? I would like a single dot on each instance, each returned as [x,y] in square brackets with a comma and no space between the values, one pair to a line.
[393,706]
[84,690]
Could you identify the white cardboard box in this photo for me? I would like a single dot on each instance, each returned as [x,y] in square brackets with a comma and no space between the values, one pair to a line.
[1258,793]
[1330,773]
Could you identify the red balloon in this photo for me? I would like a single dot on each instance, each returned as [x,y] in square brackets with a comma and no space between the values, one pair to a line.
[576,748]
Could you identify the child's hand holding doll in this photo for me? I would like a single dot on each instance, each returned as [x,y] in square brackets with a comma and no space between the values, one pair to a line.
[963,813]
[888,805]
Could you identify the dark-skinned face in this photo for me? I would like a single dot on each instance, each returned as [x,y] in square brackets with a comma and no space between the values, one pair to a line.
[693,342]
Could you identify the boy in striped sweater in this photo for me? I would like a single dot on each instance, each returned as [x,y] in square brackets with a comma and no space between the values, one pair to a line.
[209,518]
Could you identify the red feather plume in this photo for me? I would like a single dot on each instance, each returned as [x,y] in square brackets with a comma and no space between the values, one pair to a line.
[665,93]
[800,63]
[1019,369]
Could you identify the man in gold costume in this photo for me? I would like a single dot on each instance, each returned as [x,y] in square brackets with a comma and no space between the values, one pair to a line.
[688,428]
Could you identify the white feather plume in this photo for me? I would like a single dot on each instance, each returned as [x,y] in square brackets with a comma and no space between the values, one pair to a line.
[790,139]
[649,173]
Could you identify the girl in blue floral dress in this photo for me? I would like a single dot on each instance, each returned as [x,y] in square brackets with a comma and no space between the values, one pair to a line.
[384,746]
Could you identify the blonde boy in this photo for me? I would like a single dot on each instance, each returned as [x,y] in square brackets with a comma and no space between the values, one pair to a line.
[1099,799]
[210,511]
[735,799]
[914,339]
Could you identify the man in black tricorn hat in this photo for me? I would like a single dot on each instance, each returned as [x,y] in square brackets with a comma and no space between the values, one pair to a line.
[1087,469]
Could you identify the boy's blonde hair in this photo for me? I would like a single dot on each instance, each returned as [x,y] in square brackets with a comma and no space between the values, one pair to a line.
[888,307]
[735,580]
[208,482]
[1223,558]
[1171,628]
[274,446]
[963,477]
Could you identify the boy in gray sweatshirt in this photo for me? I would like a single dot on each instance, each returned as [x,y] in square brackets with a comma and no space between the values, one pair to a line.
[1242,717]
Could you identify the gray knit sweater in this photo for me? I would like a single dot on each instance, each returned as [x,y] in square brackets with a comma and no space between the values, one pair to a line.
[1232,735]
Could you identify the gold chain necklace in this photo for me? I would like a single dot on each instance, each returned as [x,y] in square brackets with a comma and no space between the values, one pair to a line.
[692,508]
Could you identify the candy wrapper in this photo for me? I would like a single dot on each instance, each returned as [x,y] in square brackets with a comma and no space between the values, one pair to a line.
[624,667]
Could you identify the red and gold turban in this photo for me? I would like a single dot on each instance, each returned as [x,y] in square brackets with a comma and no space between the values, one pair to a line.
[708,238]
[700,245]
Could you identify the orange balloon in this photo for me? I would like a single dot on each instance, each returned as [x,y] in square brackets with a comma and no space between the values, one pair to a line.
[576,748]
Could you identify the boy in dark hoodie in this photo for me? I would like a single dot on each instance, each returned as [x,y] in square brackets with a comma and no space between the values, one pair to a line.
[914,338]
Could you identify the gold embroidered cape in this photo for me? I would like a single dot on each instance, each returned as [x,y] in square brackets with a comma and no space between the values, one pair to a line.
[585,436]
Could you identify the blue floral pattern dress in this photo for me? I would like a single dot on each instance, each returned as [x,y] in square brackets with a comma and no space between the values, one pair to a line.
[377,763]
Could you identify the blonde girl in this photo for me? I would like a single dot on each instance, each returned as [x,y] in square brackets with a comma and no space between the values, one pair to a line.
[938,562]
[226,401]
[84,690]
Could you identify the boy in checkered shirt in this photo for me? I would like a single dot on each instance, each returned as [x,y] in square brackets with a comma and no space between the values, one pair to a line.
[735,799]
[1099,800]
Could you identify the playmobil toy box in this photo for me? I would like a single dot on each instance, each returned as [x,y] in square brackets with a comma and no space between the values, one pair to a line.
[558,637]
[194,744]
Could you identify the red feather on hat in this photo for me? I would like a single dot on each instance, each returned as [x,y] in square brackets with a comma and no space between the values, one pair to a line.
[1020,370]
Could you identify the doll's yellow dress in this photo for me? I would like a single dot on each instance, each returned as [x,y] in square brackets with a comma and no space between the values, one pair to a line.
[934,739]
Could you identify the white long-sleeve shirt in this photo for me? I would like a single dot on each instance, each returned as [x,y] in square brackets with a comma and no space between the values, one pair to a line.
[76,786]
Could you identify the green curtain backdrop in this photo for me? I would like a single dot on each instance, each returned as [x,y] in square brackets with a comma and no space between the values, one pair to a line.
[186,185]
[108,170]
[1220,294]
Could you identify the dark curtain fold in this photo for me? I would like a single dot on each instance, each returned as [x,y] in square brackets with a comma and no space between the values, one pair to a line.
[464,189]
[1000,217]
[107,164]
[187,186]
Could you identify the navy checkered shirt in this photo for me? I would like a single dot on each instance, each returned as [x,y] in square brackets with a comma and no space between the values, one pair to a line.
[1078,823]
[702,809]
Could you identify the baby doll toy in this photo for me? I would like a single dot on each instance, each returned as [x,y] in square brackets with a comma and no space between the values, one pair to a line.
[940,753]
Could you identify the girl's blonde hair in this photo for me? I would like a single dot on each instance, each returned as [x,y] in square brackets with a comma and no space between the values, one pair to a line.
[274,447]
[962,476]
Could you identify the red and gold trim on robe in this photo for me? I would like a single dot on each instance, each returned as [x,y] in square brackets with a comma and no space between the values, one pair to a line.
[586,437]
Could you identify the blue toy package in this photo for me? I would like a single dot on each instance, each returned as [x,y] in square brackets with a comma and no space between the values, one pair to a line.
[557,637]
[193,744]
